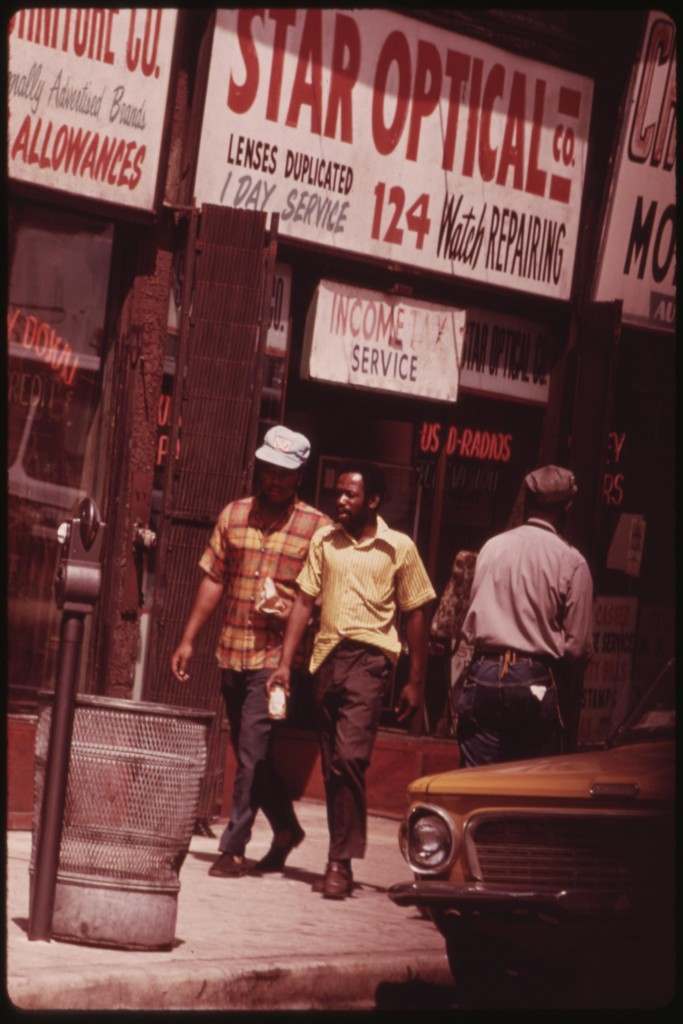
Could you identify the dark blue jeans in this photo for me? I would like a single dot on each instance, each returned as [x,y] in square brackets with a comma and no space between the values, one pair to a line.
[258,785]
[507,710]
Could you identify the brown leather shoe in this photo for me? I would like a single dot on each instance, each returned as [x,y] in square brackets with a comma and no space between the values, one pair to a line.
[279,851]
[338,881]
[228,866]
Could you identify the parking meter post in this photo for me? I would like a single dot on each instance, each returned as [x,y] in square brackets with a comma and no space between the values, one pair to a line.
[56,775]
[77,584]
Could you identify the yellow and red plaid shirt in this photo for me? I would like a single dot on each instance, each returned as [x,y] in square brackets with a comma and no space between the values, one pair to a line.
[241,554]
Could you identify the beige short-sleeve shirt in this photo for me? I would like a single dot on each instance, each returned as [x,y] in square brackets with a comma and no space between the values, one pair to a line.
[532,591]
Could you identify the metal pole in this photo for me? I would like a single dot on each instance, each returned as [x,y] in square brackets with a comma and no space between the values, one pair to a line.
[56,775]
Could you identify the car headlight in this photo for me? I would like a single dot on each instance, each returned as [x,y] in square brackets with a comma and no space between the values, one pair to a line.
[428,840]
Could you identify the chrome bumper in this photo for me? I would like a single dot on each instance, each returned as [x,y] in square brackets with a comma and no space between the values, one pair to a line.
[445,896]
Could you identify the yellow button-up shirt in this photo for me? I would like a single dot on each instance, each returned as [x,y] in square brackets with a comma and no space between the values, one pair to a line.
[362,584]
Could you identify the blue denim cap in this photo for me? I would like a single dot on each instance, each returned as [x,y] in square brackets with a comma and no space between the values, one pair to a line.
[285,448]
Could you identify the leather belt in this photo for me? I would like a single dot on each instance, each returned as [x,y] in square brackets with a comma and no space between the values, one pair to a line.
[500,652]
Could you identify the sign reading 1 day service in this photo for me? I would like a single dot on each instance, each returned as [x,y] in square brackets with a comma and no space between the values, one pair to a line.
[638,252]
[87,89]
[374,133]
[382,342]
[507,356]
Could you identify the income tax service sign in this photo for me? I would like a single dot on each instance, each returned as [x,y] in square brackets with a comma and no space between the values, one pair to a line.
[383,342]
[375,133]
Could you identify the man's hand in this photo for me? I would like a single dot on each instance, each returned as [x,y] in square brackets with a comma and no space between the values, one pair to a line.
[280,677]
[409,701]
[180,659]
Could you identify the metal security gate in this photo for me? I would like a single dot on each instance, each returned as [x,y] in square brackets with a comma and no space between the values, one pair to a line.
[227,287]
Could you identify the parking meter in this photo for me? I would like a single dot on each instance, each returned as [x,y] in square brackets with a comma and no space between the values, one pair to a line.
[77,587]
[78,574]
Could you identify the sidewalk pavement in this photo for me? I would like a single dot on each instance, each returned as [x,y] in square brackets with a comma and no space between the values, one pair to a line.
[251,943]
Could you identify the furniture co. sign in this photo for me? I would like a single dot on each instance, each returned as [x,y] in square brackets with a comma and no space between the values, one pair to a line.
[87,100]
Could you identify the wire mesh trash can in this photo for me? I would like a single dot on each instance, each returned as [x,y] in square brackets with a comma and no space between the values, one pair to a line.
[135,773]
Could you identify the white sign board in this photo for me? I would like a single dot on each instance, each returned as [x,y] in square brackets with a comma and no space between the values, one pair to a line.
[607,681]
[373,133]
[383,342]
[87,90]
[506,356]
[279,325]
[638,251]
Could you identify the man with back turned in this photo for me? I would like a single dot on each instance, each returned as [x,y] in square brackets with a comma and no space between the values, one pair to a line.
[529,616]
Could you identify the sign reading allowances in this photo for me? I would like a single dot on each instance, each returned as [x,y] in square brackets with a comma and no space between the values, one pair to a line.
[638,252]
[374,133]
[87,100]
[382,342]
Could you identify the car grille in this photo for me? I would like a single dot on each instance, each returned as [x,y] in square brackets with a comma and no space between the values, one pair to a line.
[550,853]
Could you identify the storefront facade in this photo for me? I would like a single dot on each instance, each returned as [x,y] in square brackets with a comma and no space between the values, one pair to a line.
[422,199]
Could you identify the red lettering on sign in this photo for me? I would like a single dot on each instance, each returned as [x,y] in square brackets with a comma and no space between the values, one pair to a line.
[469,444]
[512,147]
[395,49]
[492,90]
[305,93]
[458,70]
[535,176]
[426,92]
[649,140]
[40,338]
[612,488]
[241,97]
[344,77]
[473,119]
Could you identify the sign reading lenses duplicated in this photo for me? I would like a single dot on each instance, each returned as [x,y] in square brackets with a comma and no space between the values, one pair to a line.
[374,133]
[87,99]
[383,342]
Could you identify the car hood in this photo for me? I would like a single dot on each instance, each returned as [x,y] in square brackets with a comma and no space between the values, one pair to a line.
[649,766]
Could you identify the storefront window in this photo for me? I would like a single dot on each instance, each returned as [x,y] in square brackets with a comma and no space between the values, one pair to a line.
[58,282]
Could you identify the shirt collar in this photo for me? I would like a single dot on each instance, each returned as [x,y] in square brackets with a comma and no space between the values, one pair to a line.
[543,523]
[382,532]
[255,516]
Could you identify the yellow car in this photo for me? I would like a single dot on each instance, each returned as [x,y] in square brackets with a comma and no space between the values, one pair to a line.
[560,860]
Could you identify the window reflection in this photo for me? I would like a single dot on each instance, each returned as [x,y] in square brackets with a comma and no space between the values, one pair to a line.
[58,285]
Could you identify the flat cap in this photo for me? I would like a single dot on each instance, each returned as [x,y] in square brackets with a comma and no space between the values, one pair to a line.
[551,484]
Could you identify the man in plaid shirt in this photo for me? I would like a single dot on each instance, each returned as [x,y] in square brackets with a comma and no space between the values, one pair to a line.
[254,555]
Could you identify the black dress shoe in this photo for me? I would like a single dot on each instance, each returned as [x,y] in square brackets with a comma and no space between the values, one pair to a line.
[338,881]
[279,851]
[228,866]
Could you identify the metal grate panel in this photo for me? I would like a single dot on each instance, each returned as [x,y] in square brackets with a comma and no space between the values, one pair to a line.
[214,409]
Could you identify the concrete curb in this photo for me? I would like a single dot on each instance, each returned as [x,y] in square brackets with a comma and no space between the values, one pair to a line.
[307,983]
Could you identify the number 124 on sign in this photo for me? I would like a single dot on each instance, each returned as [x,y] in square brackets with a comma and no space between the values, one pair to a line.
[390,214]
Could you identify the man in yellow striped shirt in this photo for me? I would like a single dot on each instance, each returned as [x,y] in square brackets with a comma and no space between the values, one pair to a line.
[364,573]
